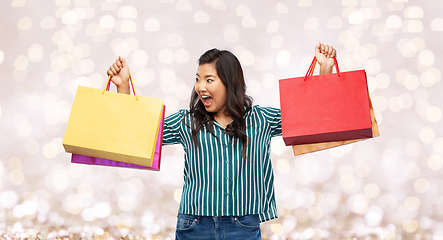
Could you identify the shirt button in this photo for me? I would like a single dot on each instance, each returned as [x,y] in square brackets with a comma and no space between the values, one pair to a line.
[226,178]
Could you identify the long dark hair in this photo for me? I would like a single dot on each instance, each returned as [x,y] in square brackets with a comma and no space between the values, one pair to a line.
[238,103]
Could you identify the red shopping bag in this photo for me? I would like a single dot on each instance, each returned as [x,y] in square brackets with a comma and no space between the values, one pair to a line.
[325,108]
[314,147]
[105,162]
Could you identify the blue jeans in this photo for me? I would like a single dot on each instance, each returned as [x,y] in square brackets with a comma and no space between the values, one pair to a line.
[194,227]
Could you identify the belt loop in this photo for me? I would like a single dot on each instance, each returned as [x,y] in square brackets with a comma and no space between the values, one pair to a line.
[197,219]
[233,218]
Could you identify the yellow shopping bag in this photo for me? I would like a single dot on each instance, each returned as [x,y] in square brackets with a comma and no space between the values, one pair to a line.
[113,126]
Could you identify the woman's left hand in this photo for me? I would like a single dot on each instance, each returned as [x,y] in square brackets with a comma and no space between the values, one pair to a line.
[324,54]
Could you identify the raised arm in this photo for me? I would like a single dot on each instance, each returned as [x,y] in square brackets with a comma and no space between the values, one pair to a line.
[324,54]
[119,72]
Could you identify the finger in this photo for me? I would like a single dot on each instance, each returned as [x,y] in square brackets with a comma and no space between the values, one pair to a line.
[123,61]
[334,53]
[110,73]
[119,63]
[331,51]
[116,67]
[317,47]
[326,52]
[113,70]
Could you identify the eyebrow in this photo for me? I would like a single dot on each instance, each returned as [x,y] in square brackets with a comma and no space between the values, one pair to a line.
[207,76]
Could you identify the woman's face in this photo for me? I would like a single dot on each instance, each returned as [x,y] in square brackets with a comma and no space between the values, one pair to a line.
[210,88]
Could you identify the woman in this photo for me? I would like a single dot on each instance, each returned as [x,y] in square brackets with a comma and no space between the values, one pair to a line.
[228,180]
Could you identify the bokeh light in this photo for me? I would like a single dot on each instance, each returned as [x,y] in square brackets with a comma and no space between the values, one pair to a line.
[382,188]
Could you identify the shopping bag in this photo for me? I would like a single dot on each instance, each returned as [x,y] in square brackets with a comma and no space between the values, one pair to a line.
[105,162]
[113,126]
[325,108]
[314,147]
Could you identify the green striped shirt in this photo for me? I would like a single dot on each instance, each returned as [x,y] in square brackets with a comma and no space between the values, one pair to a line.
[217,181]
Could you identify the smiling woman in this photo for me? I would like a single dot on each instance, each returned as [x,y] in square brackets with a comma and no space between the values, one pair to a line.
[225,84]
[228,178]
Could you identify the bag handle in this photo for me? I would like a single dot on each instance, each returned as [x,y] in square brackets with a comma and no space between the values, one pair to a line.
[312,67]
[108,85]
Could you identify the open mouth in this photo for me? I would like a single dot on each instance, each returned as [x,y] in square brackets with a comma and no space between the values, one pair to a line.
[207,100]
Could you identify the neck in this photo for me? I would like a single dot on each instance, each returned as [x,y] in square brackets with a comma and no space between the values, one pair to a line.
[222,119]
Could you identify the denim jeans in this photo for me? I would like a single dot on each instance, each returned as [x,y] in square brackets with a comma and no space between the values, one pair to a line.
[194,227]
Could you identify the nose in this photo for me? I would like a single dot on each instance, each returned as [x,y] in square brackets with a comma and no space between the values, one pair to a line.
[200,86]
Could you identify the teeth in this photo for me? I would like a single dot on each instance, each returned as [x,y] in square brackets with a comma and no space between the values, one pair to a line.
[205,96]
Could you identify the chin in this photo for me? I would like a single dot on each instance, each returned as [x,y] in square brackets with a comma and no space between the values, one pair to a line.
[210,110]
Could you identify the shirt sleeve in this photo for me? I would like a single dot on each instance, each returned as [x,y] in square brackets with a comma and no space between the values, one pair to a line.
[171,128]
[273,116]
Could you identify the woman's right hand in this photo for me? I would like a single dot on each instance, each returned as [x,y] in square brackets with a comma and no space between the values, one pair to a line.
[119,72]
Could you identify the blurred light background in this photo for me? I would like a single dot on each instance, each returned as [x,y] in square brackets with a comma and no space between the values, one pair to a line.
[382,188]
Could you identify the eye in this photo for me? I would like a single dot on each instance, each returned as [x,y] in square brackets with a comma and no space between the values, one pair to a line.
[209,80]
[196,79]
